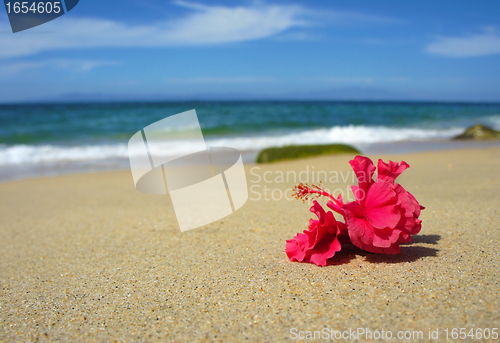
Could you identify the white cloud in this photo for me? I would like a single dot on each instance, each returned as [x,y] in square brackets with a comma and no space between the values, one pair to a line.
[206,25]
[14,68]
[487,43]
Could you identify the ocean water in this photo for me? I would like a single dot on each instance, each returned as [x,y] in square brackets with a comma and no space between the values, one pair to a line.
[48,139]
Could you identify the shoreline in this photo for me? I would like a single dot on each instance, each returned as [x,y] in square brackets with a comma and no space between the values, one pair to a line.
[16,173]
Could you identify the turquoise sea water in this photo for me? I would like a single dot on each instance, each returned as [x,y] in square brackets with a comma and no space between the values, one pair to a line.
[39,139]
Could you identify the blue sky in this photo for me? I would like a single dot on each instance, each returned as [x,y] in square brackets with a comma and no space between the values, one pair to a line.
[354,50]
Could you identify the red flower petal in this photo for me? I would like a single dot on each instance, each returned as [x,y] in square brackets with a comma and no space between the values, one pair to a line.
[360,230]
[380,206]
[389,172]
[404,238]
[409,223]
[324,250]
[418,207]
[364,169]
[317,244]
[295,247]
[385,238]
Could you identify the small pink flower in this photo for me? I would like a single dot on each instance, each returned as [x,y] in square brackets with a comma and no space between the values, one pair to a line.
[320,242]
[384,213]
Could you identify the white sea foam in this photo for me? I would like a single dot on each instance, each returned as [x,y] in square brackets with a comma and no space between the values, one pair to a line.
[493,121]
[35,154]
[337,134]
[48,154]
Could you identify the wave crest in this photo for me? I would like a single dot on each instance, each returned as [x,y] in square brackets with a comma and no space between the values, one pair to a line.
[355,135]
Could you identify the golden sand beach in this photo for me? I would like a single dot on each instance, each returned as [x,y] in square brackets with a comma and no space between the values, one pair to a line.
[88,258]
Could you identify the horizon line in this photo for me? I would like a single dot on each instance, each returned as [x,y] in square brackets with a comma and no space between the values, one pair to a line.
[185,100]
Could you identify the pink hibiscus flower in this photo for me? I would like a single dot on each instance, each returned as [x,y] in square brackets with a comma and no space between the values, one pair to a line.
[320,242]
[384,213]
